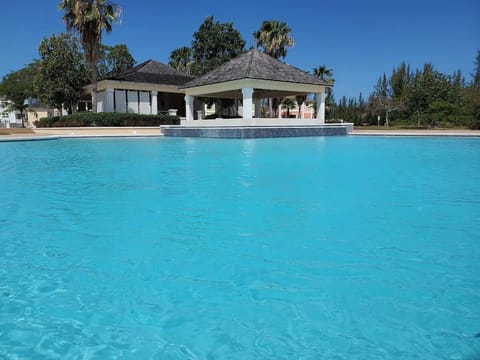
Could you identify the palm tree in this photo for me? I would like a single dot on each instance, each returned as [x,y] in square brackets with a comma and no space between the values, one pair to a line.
[323,73]
[22,108]
[300,99]
[274,38]
[89,18]
[181,59]
[289,104]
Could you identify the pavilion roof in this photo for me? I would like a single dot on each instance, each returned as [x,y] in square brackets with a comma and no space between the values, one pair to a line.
[153,72]
[256,65]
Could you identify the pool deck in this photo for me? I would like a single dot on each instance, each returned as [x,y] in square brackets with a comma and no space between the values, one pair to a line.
[77,132]
[414,132]
[56,133]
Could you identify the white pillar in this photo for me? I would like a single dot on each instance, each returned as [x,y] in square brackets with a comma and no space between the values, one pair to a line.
[280,111]
[258,108]
[109,100]
[320,97]
[154,109]
[189,107]
[247,103]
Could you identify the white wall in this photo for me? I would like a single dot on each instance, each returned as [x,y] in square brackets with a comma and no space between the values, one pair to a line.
[120,101]
[8,119]
[133,101]
[144,102]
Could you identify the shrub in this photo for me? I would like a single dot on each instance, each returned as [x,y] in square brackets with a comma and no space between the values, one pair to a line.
[474,124]
[87,119]
[216,116]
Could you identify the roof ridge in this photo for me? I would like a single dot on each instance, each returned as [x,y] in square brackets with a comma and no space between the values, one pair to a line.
[250,62]
[131,70]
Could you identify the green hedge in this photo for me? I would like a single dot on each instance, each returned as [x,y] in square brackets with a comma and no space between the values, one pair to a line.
[87,119]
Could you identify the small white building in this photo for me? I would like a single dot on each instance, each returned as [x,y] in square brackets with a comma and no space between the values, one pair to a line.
[9,119]
[148,88]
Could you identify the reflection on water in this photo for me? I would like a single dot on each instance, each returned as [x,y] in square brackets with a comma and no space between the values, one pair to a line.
[240,249]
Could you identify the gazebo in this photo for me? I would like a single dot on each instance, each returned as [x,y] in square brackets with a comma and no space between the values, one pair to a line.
[148,88]
[251,77]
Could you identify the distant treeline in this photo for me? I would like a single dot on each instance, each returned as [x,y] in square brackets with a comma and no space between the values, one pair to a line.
[417,98]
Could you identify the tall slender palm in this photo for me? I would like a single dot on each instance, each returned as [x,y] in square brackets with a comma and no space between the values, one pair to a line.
[323,73]
[89,18]
[274,38]
[181,59]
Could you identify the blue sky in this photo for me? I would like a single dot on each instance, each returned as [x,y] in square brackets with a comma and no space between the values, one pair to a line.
[359,40]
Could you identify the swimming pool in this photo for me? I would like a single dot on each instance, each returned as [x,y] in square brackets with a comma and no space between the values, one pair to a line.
[297,248]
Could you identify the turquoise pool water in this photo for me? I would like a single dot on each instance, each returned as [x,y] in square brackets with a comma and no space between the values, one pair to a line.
[300,248]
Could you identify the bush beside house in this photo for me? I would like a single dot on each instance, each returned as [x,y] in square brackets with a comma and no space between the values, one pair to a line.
[87,119]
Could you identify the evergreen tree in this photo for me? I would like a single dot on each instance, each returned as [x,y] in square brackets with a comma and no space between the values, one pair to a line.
[114,60]
[400,82]
[476,73]
[62,72]
[17,86]
[215,43]
[421,97]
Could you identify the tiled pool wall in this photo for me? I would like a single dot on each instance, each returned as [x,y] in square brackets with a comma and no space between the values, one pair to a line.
[254,132]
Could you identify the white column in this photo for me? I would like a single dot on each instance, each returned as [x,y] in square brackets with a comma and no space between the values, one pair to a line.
[247,103]
[100,102]
[109,101]
[320,97]
[189,107]
[154,109]
[280,111]
[258,108]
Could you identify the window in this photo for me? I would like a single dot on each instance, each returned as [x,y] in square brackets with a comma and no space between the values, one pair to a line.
[4,115]
[18,116]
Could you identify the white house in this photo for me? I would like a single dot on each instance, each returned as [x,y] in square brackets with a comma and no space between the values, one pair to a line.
[148,88]
[8,118]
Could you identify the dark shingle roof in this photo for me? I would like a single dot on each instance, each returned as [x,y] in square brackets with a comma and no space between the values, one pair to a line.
[153,72]
[256,65]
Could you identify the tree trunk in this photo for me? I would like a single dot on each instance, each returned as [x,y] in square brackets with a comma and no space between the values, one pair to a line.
[93,69]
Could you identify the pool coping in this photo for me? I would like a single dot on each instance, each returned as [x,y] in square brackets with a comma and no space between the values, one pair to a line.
[43,136]
[11,138]
[413,133]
